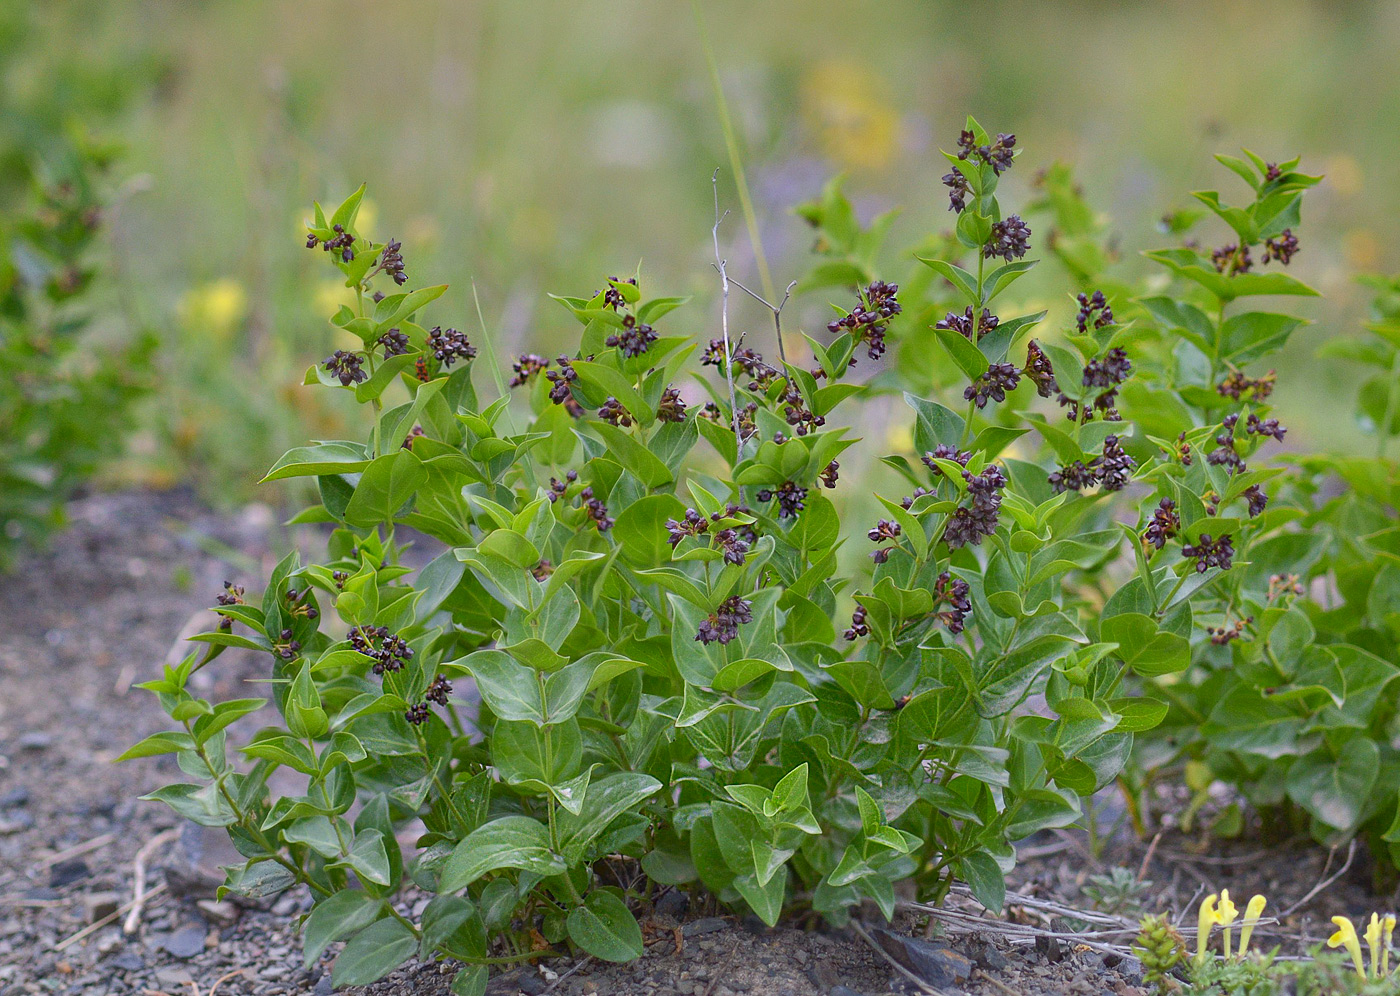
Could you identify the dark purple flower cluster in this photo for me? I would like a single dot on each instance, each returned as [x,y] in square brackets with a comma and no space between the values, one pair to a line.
[347,367]
[1264,427]
[1109,372]
[994,384]
[1073,476]
[877,305]
[389,650]
[1231,259]
[438,691]
[635,338]
[944,451]
[723,624]
[1225,454]
[1210,553]
[558,488]
[1258,500]
[561,381]
[596,510]
[797,414]
[745,359]
[884,531]
[1104,374]
[612,297]
[962,324]
[981,515]
[830,475]
[690,524]
[671,407]
[1093,310]
[448,346]
[285,647]
[342,242]
[1164,525]
[413,434]
[953,592]
[526,367]
[1114,466]
[859,627]
[394,342]
[614,413]
[418,714]
[231,595]
[1039,370]
[391,262]
[1236,385]
[791,497]
[1282,247]
[998,155]
[541,571]
[1010,239]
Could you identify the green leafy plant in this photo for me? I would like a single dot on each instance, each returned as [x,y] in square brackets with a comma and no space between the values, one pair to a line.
[1292,696]
[643,590]
[67,380]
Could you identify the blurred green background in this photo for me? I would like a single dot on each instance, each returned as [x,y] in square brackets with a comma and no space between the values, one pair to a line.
[540,145]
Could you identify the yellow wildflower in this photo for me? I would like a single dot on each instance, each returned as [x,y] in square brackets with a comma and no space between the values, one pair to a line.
[1345,937]
[1373,941]
[1205,919]
[1387,928]
[1251,917]
[1225,914]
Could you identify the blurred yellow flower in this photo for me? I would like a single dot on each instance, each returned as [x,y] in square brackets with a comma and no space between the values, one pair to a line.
[1344,174]
[1346,937]
[842,104]
[899,439]
[329,295]
[367,216]
[215,308]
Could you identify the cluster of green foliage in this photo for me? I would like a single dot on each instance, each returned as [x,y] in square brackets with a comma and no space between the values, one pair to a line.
[646,600]
[66,387]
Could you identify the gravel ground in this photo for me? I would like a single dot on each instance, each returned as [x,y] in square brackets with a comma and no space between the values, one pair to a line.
[101,610]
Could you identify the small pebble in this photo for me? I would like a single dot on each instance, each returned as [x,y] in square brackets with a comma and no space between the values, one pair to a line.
[185,942]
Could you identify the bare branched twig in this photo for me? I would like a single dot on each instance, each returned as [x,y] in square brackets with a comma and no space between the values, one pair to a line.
[776,309]
[724,320]
[1324,883]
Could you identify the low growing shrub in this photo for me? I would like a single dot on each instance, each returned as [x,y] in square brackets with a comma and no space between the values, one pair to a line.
[648,594]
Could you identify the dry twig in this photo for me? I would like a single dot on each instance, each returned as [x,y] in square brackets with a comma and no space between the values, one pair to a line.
[875,946]
[138,887]
[1324,883]
[72,852]
[105,920]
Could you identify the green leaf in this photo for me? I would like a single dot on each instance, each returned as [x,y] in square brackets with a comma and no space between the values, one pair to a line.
[984,877]
[314,461]
[506,842]
[335,918]
[965,282]
[373,953]
[384,488]
[607,799]
[159,743]
[641,528]
[1144,646]
[967,356]
[605,928]
[1335,790]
